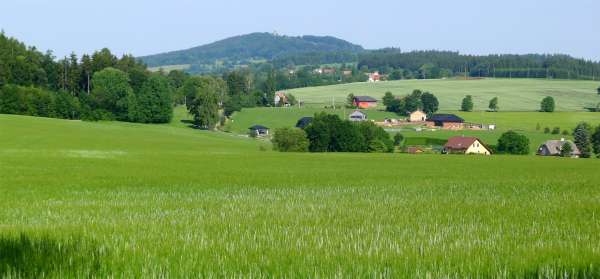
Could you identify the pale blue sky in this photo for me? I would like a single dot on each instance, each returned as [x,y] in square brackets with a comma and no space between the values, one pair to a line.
[146,27]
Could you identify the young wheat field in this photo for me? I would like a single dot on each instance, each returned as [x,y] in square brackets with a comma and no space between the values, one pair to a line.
[125,200]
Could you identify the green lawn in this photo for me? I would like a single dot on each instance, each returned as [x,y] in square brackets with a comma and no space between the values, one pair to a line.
[513,94]
[129,200]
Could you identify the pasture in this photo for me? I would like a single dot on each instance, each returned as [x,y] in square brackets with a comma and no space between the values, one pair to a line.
[513,94]
[130,200]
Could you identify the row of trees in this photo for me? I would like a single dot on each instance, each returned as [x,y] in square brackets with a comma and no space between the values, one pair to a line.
[417,100]
[329,133]
[438,64]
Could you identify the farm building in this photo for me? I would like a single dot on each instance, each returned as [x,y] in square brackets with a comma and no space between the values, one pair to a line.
[374,77]
[364,102]
[259,130]
[358,115]
[554,147]
[466,145]
[280,99]
[417,116]
[304,122]
[446,121]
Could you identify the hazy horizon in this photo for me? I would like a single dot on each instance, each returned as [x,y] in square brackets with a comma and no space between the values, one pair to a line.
[150,27]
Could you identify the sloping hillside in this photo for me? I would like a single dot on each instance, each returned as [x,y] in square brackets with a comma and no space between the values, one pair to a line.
[245,48]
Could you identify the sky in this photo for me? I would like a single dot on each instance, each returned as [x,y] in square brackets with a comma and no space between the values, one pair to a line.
[143,27]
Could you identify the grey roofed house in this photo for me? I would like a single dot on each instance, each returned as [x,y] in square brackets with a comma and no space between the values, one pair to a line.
[553,148]
[358,115]
[304,122]
[259,130]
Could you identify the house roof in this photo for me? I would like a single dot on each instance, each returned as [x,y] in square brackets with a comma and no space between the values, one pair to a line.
[460,143]
[446,118]
[368,99]
[418,111]
[555,146]
[303,122]
[358,113]
[258,127]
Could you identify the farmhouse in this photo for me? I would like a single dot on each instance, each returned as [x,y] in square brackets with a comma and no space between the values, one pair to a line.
[374,77]
[554,147]
[280,98]
[304,122]
[358,115]
[259,130]
[446,121]
[417,116]
[466,145]
[364,102]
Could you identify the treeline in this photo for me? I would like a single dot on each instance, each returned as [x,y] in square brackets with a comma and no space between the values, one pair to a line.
[95,87]
[329,133]
[438,64]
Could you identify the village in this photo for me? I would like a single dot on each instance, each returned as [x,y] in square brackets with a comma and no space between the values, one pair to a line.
[419,121]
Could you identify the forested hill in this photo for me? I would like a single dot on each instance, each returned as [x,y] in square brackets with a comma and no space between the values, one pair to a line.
[255,46]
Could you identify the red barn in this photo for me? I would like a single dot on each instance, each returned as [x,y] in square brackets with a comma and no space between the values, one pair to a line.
[364,102]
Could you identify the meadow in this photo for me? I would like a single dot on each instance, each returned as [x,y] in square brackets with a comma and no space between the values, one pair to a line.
[130,200]
[513,94]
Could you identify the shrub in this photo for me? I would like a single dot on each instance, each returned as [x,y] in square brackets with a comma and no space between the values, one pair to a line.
[467,103]
[290,140]
[556,130]
[566,150]
[398,138]
[547,104]
[513,143]
[547,130]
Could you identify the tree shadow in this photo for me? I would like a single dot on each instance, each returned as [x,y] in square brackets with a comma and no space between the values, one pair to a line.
[24,256]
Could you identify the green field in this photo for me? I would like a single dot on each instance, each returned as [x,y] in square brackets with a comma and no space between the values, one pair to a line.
[130,200]
[514,94]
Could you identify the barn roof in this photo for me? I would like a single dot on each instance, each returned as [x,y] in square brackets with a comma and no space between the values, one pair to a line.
[368,99]
[258,127]
[555,146]
[303,122]
[446,118]
[460,143]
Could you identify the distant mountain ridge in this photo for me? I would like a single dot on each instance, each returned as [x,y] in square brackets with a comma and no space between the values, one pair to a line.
[255,46]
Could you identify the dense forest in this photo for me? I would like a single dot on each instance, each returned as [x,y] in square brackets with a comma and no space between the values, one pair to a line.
[437,64]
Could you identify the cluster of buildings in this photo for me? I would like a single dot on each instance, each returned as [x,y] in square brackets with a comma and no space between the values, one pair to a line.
[454,145]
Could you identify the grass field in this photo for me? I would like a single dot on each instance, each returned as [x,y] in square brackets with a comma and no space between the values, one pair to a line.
[128,200]
[513,94]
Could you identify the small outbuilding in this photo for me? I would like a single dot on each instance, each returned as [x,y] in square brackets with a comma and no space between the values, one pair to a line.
[417,116]
[466,145]
[259,130]
[364,102]
[357,116]
[304,122]
[446,121]
[554,148]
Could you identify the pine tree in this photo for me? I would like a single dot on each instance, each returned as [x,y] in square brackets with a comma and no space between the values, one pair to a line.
[596,141]
[582,137]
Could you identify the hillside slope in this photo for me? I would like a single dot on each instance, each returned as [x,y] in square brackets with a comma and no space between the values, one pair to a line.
[255,46]
[514,94]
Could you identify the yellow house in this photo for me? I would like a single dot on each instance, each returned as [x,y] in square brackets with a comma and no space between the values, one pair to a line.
[418,116]
[466,145]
